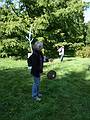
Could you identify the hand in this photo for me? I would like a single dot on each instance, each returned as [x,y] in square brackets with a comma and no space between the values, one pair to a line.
[29,68]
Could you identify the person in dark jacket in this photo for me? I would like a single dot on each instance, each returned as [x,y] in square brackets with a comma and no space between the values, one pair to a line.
[37,69]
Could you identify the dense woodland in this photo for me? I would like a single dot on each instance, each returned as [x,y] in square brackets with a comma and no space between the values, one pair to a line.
[55,22]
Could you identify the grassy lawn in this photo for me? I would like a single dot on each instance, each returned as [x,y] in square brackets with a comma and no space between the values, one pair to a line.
[65,98]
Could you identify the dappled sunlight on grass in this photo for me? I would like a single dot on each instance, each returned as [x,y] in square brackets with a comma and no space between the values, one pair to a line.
[11,63]
[66,97]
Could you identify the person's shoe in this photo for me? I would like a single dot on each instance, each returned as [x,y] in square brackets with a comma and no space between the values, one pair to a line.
[38,99]
[39,95]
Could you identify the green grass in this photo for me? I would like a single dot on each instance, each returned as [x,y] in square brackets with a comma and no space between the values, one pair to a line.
[65,98]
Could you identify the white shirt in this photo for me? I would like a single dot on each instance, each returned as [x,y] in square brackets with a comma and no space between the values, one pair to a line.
[61,51]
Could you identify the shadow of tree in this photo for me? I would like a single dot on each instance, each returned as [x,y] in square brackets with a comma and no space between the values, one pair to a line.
[15,92]
[71,94]
[67,97]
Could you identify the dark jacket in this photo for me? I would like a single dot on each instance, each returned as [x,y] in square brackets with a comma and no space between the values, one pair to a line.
[37,63]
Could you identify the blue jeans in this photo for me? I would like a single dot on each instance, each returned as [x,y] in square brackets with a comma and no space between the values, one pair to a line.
[35,87]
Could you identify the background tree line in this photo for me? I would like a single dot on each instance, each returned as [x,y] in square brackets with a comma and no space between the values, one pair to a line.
[55,22]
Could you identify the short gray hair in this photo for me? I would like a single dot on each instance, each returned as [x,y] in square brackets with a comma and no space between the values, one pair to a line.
[38,45]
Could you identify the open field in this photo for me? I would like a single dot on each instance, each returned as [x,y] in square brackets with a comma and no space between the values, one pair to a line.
[65,98]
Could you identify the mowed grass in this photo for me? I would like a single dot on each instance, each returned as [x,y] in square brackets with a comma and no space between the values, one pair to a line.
[65,98]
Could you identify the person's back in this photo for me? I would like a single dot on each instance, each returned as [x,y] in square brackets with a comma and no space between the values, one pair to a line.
[37,63]
[62,50]
[37,69]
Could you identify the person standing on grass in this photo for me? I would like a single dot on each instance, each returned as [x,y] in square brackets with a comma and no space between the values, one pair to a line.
[37,69]
[61,52]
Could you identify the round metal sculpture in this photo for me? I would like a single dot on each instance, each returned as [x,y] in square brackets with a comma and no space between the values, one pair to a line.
[50,60]
[51,74]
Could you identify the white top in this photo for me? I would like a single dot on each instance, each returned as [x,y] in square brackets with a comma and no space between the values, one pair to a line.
[61,51]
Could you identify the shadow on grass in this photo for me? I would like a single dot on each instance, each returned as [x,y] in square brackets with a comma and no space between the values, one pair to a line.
[65,98]
[15,92]
[69,59]
[70,96]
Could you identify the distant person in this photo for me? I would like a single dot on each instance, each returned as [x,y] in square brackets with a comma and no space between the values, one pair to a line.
[61,52]
[37,69]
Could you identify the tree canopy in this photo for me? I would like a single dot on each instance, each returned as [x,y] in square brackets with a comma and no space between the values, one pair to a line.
[53,21]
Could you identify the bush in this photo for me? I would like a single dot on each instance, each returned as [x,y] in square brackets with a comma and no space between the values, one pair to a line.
[85,52]
[71,49]
[78,46]
[12,47]
[3,55]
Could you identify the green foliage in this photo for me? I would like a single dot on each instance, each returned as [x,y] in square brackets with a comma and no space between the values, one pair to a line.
[61,16]
[52,21]
[50,50]
[85,52]
[13,24]
[70,48]
[12,47]
[88,32]
[77,46]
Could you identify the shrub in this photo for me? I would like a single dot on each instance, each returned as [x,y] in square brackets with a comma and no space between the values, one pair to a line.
[70,48]
[85,52]
[3,54]
[12,47]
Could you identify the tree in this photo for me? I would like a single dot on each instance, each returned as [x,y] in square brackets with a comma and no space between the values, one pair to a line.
[53,21]
[13,23]
[88,32]
[51,18]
